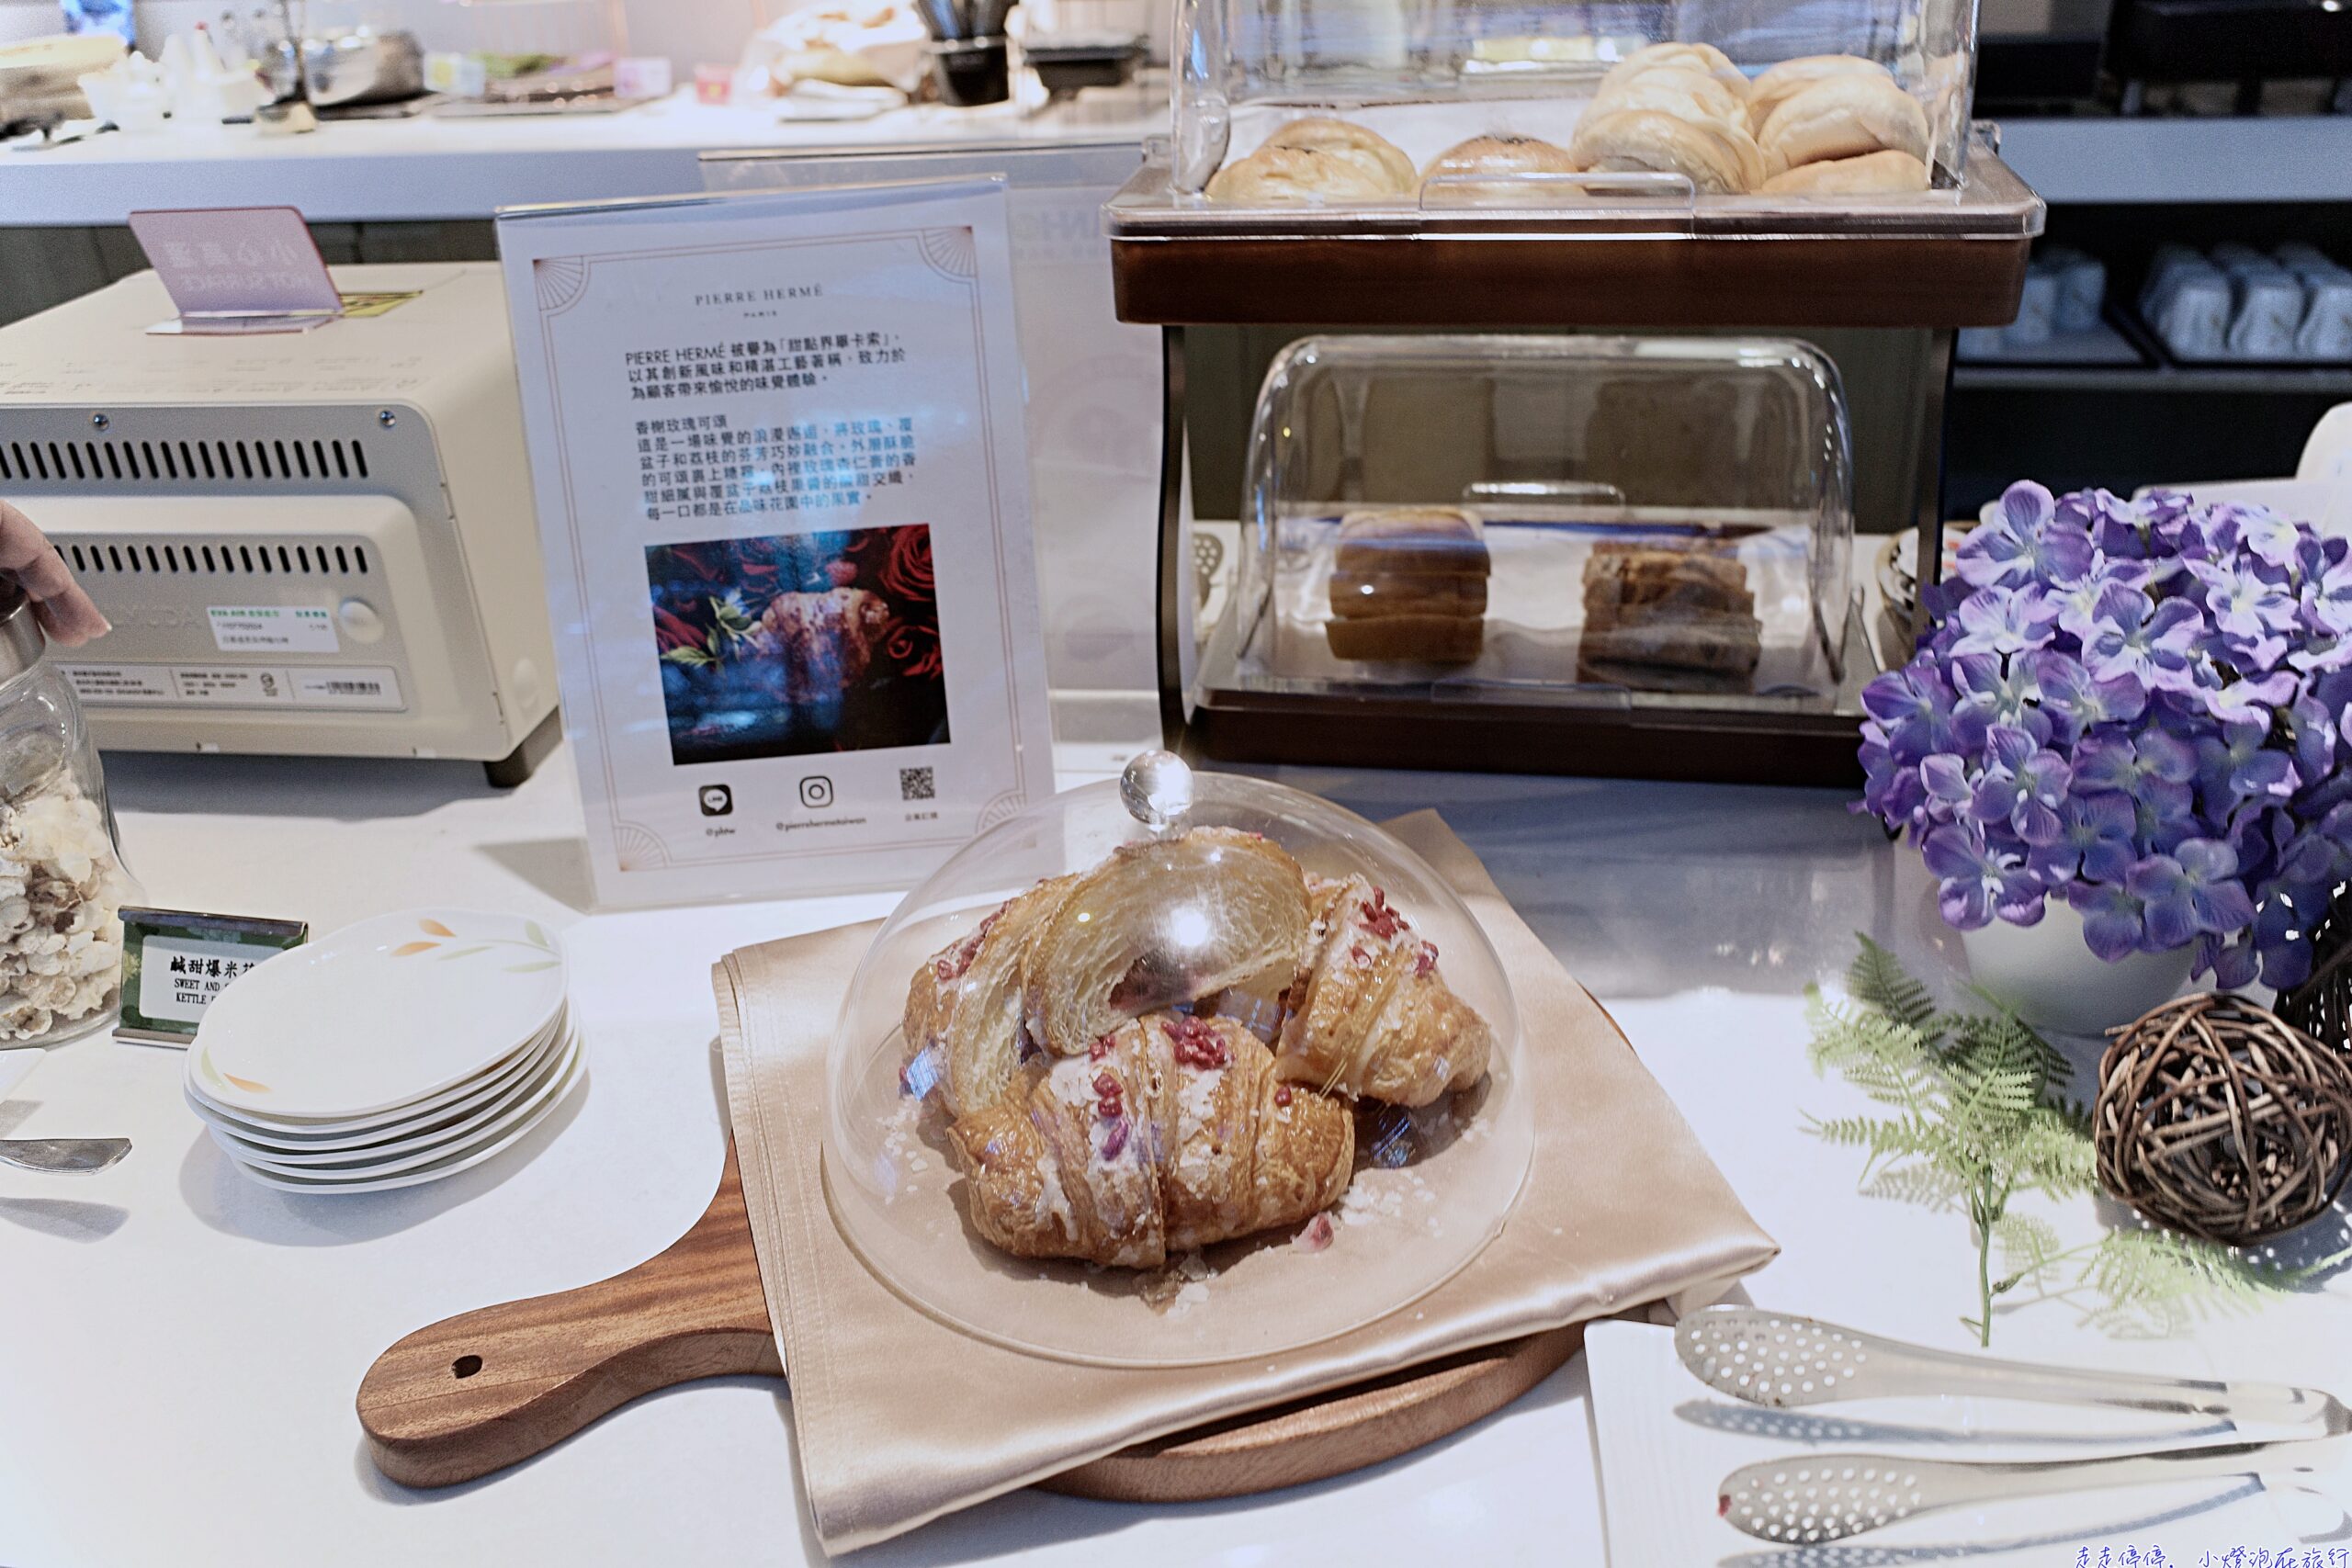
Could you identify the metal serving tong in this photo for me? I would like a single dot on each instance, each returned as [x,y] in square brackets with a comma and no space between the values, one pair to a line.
[1782,1362]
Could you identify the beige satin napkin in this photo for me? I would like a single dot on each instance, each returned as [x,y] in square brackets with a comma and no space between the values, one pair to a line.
[901,1418]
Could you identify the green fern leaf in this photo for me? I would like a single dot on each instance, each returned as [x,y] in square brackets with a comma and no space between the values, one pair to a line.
[2157,1283]
[1928,1186]
[1877,980]
[2029,1248]
[1976,1119]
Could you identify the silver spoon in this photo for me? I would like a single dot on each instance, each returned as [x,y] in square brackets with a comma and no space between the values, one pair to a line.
[77,1156]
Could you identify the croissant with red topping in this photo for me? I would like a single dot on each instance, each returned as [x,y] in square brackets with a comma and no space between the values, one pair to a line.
[965,1003]
[1372,1018]
[1172,1133]
[1098,1111]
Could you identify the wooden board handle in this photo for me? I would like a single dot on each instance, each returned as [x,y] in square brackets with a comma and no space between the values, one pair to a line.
[486,1389]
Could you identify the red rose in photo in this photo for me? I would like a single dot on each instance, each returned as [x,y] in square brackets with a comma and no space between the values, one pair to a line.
[907,573]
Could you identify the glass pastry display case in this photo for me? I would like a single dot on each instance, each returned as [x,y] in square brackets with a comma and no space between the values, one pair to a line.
[1187,1042]
[1676,603]
[1302,130]
[1448,538]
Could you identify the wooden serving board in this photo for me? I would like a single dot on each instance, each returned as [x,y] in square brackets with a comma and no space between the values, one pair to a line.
[477,1393]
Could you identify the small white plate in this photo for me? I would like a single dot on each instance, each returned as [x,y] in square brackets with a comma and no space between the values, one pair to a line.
[378,1016]
[407,1122]
[450,1165]
[441,1138]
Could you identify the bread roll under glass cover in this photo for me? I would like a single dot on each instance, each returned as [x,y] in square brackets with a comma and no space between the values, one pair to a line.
[1655,518]
[1436,103]
[1176,1068]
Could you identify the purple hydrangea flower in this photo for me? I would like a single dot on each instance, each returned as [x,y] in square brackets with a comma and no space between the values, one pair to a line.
[2135,766]
[2113,924]
[2282,932]
[2247,605]
[2272,537]
[1978,881]
[2248,702]
[2075,704]
[2189,891]
[2327,597]
[2231,960]
[1914,707]
[2025,544]
[1994,695]
[2144,705]
[2119,529]
[2093,842]
[2019,786]
[2313,731]
[2237,765]
[2001,620]
[2138,636]
[2078,602]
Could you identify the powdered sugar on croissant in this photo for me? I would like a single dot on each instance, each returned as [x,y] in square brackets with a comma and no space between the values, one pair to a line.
[1373,1018]
[1170,1134]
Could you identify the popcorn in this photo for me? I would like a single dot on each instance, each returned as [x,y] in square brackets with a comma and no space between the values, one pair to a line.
[61,897]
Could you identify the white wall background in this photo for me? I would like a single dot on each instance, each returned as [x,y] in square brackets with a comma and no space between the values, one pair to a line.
[690,32]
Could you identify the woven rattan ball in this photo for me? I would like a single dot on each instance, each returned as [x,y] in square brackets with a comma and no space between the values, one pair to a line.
[2321,1006]
[2218,1118]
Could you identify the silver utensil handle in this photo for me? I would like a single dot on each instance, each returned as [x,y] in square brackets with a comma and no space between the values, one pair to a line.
[1826,1497]
[52,1156]
[1784,1361]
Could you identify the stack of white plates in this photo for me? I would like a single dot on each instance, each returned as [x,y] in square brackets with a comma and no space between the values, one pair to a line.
[395,1052]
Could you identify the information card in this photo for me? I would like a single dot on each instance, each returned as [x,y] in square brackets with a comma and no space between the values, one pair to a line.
[776,444]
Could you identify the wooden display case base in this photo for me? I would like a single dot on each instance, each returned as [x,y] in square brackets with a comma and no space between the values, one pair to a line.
[1682,282]
[1712,746]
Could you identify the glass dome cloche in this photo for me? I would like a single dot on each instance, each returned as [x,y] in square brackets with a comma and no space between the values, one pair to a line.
[1176,1068]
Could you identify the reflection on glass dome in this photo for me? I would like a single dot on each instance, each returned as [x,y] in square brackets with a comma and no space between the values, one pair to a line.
[1175,1069]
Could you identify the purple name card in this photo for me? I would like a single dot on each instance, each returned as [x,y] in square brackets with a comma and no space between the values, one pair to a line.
[237,262]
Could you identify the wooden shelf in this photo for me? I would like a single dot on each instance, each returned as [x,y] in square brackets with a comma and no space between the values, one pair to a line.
[2318,380]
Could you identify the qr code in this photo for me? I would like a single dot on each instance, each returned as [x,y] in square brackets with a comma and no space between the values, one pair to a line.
[915,783]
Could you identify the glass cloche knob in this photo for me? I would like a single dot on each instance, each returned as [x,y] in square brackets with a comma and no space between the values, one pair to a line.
[1157,788]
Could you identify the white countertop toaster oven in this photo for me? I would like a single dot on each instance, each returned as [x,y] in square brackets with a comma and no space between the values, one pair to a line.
[315,543]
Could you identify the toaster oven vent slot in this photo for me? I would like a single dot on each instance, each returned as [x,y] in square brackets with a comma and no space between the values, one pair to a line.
[219,559]
[276,460]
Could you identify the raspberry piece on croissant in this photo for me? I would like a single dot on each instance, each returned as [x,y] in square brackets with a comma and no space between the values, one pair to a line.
[1171,1134]
[1374,1019]
[965,1002]
[1162,922]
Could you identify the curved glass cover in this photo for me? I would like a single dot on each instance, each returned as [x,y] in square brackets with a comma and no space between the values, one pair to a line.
[1595,519]
[1426,1191]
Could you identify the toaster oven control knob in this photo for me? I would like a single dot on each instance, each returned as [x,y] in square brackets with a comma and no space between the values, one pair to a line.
[360,621]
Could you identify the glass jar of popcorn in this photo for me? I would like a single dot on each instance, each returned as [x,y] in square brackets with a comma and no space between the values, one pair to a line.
[63,883]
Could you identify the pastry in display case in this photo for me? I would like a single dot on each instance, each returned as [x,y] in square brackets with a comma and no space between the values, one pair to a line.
[1417,120]
[1625,521]
[1103,1084]
[1652,100]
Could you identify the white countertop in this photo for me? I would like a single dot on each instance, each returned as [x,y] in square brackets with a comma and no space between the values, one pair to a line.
[426,167]
[179,1347]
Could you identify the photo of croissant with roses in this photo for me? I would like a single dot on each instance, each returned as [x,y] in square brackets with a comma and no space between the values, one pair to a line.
[781,646]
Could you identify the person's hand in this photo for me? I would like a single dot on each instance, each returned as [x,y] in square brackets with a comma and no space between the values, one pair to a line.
[65,611]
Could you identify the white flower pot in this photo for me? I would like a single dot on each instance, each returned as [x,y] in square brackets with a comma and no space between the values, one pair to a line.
[2054,982]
